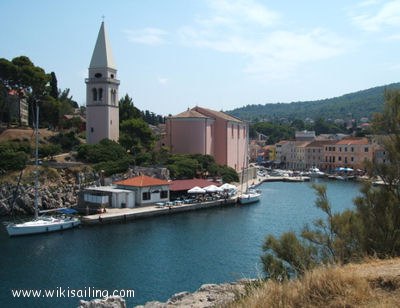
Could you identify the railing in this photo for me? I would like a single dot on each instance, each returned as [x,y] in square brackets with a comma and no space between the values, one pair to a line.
[102,80]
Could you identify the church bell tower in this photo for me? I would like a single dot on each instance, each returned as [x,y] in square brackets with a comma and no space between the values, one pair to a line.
[102,113]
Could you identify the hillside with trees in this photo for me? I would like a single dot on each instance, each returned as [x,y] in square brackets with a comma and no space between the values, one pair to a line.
[357,105]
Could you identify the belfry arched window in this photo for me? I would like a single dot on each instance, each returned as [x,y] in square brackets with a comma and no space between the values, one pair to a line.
[100,94]
[94,92]
[113,96]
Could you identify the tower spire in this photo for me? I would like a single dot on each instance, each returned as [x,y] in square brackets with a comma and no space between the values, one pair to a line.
[102,53]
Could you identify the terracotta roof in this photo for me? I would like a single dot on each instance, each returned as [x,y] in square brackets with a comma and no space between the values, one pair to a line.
[190,113]
[217,114]
[142,181]
[302,144]
[319,143]
[354,141]
[179,185]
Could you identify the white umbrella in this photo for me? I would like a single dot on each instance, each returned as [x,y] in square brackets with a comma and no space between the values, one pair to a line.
[227,186]
[196,190]
[212,189]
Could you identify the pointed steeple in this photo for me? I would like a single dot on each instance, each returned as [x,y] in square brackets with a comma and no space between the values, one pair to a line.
[102,54]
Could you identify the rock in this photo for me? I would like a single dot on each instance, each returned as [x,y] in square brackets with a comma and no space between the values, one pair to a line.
[177,297]
[110,302]
[208,295]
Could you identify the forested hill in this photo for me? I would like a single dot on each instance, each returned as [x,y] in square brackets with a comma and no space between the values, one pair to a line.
[359,104]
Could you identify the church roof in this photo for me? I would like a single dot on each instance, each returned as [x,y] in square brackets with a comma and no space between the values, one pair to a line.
[190,113]
[217,114]
[102,54]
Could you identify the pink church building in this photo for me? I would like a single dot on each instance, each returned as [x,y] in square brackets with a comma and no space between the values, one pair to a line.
[205,131]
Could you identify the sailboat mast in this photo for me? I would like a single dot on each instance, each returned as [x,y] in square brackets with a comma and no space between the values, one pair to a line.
[37,163]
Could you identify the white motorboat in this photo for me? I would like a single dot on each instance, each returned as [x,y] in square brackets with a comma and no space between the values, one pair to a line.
[41,224]
[315,172]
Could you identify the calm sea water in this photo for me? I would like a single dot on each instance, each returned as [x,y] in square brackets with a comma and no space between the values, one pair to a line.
[160,256]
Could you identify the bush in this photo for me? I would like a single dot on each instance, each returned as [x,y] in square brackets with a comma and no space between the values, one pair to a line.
[105,150]
[67,141]
[112,167]
[11,161]
[49,150]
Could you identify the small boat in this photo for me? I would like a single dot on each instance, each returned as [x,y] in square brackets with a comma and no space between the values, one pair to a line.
[315,172]
[250,196]
[41,224]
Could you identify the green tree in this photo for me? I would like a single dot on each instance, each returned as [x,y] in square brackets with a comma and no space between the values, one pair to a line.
[127,110]
[53,85]
[136,136]
[335,239]
[373,228]
[104,151]
[379,207]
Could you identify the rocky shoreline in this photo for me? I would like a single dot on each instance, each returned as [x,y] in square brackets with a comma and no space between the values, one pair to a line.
[58,188]
[207,296]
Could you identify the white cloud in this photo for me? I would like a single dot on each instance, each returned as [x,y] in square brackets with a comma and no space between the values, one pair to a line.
[147,36]
[162,80]
[255,32]
[384,16]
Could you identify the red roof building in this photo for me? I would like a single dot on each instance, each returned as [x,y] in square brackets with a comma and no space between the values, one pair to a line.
[147,189]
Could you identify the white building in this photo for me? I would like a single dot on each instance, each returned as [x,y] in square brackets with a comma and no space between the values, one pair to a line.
[147,189]
[102,112]
[109,196]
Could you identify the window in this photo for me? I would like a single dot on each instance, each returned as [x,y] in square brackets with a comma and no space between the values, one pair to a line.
[146,195]
[94,93]
[352,158]
[352,149]
[340,158]
[164,194]
[98,75]
[91,129]
[366,149]
[100,94]
[232,130]
[113,96]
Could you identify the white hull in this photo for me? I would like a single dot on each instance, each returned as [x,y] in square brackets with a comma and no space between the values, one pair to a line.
[42,225]
[249,198]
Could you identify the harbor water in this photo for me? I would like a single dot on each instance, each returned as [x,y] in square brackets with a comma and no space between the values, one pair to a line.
[157,257]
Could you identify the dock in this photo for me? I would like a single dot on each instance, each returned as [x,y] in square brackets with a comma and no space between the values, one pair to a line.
[114,215]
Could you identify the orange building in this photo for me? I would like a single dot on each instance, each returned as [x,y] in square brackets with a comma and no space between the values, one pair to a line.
[208,132]
[348,152]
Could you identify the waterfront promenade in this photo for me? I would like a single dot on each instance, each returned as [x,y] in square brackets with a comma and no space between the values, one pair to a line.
[113,215]
[125,214]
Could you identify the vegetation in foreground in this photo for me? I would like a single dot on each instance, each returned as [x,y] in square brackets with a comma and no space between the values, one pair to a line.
[372,229]
[371,284]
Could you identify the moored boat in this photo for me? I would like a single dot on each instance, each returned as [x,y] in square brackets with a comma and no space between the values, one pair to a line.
[250,196]
[41,224]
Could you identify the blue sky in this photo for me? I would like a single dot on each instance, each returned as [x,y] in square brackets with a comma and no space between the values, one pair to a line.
[219,54]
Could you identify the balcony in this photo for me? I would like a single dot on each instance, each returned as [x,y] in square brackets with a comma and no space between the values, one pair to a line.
[102,80]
